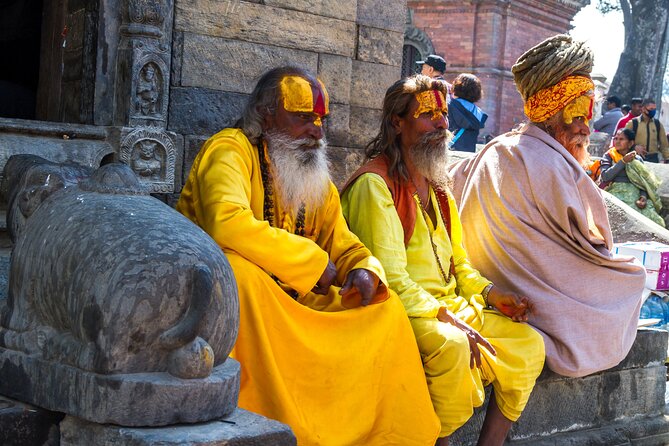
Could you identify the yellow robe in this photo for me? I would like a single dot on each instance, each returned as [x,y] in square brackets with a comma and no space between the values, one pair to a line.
[335,376]
[413,272]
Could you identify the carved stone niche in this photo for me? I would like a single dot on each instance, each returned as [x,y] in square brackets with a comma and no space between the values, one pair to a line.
[152,155]
[149,86]
[416,37]
[146,17]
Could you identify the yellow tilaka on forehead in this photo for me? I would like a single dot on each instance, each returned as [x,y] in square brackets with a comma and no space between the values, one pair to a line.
[545,103]
[431,101]
[299,96]
[581,106]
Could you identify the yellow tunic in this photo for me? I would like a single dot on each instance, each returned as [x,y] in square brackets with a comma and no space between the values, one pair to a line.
[414,273]
[335,377]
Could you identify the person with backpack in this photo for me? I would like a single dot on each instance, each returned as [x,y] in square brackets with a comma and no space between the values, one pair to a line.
[651,137]
[465,118]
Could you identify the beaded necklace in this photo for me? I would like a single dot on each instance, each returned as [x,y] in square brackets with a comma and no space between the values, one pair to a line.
[268,202]
[446,277]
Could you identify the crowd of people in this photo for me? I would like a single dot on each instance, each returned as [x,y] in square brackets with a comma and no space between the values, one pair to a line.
[381,318]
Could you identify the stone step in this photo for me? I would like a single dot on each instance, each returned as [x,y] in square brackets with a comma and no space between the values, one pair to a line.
[562,410]
[241,428]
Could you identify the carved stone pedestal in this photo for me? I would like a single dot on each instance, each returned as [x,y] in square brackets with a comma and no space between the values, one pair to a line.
[138,399]
[240,428]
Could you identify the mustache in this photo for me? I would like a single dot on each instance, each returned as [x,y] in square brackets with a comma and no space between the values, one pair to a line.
[437,137]
[310,143]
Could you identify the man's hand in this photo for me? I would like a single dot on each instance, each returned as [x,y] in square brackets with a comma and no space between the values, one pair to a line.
[473,336]
[364,282]
[641,202]
[640,150]
[327,279]
[509,304]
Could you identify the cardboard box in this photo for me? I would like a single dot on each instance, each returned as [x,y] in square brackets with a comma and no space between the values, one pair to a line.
[657,280]
[653,255]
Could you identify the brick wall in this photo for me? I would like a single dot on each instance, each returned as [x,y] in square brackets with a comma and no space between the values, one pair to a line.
[221,48]
[486,38]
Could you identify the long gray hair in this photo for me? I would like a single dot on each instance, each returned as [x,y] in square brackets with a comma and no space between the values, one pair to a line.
[264,100]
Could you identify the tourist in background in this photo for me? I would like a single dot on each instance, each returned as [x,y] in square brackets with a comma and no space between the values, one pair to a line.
[634,111]
[607,123]
[433,66]
[650,133]
[624,176]
[465,118]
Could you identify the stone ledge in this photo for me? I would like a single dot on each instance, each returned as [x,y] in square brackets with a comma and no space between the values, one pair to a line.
[593,409]
[240,428]
[113,398]
[639,432]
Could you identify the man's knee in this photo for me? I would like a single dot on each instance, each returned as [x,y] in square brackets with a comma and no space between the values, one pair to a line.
[438,340]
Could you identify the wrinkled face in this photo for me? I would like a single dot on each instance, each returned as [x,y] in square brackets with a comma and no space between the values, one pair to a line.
[426,114]
[581,107]
[621,143]
[575,137]
[301,109]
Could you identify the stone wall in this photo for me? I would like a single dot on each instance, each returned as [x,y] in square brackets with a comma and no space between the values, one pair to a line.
[221,48]
[485,38]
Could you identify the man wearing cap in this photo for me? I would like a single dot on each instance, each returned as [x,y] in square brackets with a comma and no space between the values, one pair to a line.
[324,346]
[536,224]
[433,66]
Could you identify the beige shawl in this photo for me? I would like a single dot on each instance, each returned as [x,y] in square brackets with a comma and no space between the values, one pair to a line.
[536,224]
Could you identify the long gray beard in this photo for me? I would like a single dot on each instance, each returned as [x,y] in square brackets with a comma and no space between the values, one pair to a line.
[430,157]
[577,146]
[299,170]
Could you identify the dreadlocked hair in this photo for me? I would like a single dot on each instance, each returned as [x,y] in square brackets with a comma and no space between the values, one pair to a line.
[549,62]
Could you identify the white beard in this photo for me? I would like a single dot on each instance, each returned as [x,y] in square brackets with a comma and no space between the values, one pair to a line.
[299,170]
[430,157]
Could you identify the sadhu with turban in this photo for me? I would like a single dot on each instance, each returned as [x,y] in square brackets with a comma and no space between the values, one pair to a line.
[537,224]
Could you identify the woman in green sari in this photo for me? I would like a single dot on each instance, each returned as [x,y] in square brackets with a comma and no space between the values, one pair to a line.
[625,176]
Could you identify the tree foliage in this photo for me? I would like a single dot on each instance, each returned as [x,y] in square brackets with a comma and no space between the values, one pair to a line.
[643,63]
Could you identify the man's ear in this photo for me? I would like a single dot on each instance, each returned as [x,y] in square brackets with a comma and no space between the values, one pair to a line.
[396,121]
[267,117]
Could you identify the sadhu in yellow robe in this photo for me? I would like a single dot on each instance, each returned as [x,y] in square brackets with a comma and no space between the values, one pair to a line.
[415,272]
[336,376]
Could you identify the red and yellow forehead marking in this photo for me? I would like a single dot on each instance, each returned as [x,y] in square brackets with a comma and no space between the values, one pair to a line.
[431,101]
[581,106]
[299,96]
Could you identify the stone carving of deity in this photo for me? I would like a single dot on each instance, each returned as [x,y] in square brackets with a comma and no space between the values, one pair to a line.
[146,160]
[148,90]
